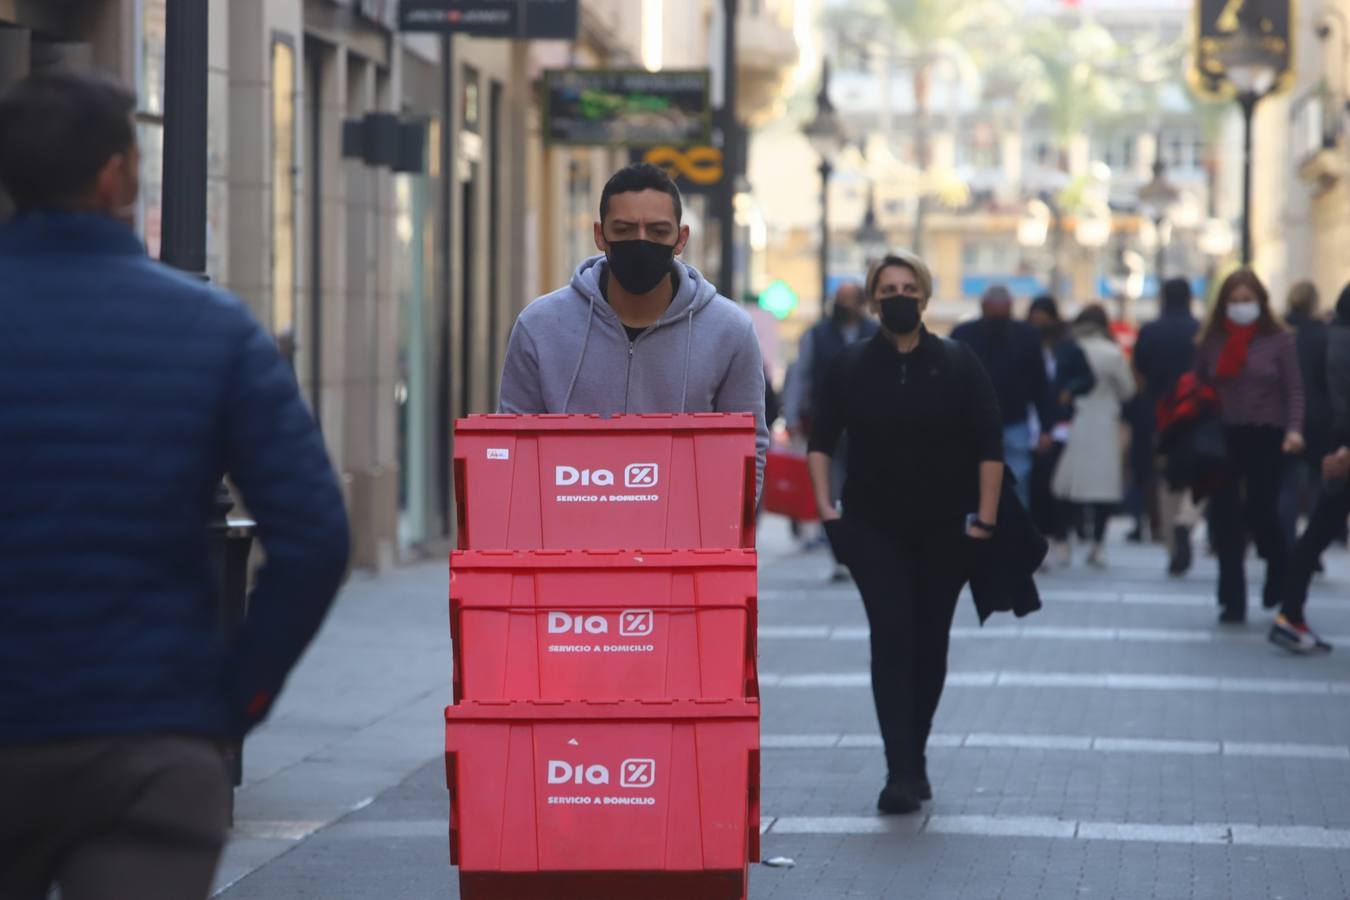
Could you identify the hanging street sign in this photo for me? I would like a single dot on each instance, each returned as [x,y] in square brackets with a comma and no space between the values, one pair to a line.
[512,19]
[627,107]
[1218,20]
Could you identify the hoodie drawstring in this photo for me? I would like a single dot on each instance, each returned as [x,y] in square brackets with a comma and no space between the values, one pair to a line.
[688,362]
[576,373]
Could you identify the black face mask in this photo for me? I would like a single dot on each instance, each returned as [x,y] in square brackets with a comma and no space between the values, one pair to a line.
[639,266]
[900,314]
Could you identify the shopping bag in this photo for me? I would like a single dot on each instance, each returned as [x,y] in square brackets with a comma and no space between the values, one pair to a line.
[787,485]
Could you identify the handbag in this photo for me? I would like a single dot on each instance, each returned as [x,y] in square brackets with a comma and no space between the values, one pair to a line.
[787,485]
[1191,436]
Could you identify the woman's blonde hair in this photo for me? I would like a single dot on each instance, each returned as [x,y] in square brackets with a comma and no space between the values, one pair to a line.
[904,259]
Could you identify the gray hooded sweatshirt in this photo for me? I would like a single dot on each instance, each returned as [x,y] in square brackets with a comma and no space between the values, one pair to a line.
[569,353]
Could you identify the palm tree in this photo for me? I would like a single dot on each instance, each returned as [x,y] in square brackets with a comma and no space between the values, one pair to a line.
[1068,75]
[926,33]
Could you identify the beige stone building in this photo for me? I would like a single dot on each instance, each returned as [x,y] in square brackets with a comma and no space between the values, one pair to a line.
[393,291]
[1301,194]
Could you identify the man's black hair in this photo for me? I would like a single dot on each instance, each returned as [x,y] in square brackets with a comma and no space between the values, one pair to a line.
[641,177]
[1177,294]
[58,129]
[1045,303]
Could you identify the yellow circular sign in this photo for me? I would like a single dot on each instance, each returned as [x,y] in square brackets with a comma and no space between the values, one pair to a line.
[698,165]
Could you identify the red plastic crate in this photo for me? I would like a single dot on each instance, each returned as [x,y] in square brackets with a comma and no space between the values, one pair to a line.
[787,486]
[588,625]
[581,800]
[587,483]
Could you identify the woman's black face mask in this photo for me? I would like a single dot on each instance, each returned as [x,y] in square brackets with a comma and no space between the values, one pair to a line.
[900,314]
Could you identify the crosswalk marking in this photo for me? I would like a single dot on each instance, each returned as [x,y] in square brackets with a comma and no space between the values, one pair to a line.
[1050,597]
[1076,743]
[1223,834]
[1235,834]
[1038,632]
[1124,681]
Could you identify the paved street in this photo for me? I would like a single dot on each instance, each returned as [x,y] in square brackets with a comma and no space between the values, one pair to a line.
[1117,744]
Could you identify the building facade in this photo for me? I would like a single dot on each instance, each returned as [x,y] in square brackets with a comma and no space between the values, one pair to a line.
[1301,195]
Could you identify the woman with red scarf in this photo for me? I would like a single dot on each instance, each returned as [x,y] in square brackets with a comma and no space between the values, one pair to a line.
[1252,362]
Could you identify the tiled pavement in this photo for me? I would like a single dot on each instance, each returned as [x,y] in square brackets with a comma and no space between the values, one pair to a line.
[1116,745]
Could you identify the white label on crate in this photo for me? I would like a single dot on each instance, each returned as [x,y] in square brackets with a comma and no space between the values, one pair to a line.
[635,774]
[636,476]
[498,453]
[632,623]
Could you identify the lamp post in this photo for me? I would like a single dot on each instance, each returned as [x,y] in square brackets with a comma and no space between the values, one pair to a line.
[1056,239]
[827,137]
[1157,199]
[1251,66]
[871,239]
[183,246]
[731,145]
[1034,227]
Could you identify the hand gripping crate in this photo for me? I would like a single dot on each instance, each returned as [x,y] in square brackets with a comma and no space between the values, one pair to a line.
[587,483]
[593,625]
[577,800]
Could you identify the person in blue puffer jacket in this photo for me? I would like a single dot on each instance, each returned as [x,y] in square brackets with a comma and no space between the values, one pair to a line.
[127,390]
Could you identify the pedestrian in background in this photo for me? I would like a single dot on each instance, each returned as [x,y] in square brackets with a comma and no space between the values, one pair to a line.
[1069,376]
[1141,490]
[128,390]
[1164,352]
[1290,629]
[922,496]
[1252,361]
[1303,473]
[636,330]
[848,323]
[1011,353]
[1090,474]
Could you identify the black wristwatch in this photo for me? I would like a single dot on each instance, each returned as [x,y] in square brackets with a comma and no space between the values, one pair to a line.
[973,521]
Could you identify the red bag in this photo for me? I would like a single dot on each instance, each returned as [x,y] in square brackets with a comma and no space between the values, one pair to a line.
[787,486]
[1190,401]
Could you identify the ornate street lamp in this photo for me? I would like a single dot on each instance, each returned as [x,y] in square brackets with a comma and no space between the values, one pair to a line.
[1251,66]
[871,239]
[1157,199]
[826,135]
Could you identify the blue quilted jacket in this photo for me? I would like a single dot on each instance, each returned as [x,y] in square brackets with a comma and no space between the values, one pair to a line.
[126,391]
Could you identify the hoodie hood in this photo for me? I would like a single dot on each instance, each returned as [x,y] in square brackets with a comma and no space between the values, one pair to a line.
[693,293]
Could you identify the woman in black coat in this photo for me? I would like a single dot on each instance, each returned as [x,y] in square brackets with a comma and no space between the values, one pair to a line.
[925,464]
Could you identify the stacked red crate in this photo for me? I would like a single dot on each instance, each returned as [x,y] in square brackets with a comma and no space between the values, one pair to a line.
[605,733]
